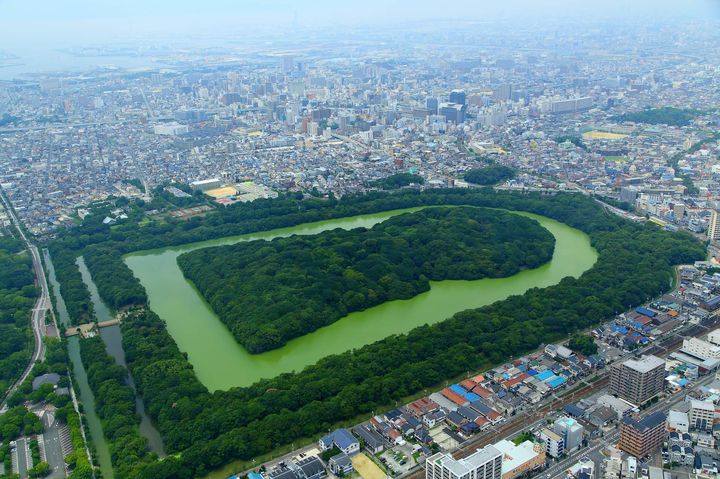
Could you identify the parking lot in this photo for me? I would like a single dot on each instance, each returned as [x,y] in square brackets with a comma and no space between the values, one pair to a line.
[400,458]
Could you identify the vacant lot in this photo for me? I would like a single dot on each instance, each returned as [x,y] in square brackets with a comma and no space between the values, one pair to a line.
[367,468]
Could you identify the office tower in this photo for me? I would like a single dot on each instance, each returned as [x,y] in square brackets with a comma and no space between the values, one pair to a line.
[640,437]
[432,105]
[453,112]
[714,229]
[457,96]
[638,380]
[571,432]
[485,463]
[288,62]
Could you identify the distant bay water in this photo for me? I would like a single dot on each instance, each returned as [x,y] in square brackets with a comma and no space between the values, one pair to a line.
[35,62]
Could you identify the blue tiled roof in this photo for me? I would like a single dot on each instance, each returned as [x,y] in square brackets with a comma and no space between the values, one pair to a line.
[341,438]
[556,382]
[456,388]
[545,375]
[471,397]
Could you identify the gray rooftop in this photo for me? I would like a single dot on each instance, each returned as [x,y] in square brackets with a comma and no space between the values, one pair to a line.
[645,364]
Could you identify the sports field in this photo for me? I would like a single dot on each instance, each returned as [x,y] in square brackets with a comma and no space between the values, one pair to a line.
[602,135]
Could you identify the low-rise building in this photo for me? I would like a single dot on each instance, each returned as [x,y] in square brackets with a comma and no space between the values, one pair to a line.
[520,459]
[342,439]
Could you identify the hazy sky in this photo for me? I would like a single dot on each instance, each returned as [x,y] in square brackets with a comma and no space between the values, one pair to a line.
[45,22]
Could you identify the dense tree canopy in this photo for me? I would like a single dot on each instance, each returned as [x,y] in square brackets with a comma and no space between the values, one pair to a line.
[270,292]
[666,116]
[17,295]
[115,406]
[574,139]
[489,175]
[116,285]
[398,180]
[583,344]
[209,429]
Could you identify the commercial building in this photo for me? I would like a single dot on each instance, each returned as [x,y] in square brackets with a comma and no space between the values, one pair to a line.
[453,112]
[638,380]
[457,96]
[206,185]
[714,337]
[701,415]
[554,443]
[640,437]
[170,129]
[485,463]
[571,431]
[520,459]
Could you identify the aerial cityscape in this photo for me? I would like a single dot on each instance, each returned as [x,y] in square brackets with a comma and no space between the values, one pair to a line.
[411,240]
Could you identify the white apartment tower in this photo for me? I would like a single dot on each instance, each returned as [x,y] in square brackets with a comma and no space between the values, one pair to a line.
[714,228]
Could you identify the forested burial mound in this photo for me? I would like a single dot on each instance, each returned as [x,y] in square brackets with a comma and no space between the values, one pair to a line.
[269,292]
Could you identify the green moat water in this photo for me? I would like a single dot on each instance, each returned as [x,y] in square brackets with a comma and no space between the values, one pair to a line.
[221,363]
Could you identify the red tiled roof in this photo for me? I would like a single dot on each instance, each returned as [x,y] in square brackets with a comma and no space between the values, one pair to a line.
[454,397]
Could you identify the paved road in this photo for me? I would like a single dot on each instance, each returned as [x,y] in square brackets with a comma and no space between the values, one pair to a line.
[53,447]
[42,305]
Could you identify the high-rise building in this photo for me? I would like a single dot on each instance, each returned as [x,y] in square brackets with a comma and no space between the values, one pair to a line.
[457,96]
[638,380]
[503,92]
[701,415]
[640,437]
[714,228]
[485,463]
[571,432]
[432,105]
[288,62]
[453,112]
[628,194]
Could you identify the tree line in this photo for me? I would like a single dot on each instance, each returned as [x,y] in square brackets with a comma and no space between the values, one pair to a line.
[270,292]
[398,180]
[489,175]
[666,115]
[117,287]
[17,296]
